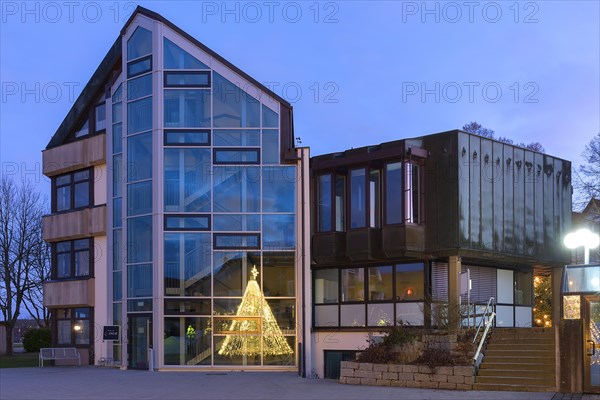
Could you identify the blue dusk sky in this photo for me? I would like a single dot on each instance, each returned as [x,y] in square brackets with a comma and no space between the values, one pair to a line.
[356,72]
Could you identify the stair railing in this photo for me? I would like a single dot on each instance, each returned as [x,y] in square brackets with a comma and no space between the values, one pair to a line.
[487,321]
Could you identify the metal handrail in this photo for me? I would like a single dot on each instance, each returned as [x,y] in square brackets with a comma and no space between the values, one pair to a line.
[478,357]
[483,317]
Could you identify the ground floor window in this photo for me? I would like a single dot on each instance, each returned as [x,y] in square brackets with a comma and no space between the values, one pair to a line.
[72,326]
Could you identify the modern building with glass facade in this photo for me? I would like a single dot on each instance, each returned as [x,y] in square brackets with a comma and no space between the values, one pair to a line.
[176,195]
[183,213]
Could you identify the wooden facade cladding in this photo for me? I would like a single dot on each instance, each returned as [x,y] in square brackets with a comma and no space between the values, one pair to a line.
[77,224]
[73,156]
[71,293]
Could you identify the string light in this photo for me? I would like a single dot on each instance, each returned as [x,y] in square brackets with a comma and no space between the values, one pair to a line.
[250,331]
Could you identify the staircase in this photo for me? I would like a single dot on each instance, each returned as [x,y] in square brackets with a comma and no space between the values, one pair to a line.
[518,359]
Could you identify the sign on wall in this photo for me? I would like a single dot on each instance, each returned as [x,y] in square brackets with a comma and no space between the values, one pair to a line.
[112,332]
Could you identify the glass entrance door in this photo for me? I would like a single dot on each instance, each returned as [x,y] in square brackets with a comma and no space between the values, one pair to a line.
[592,347]
[139,340]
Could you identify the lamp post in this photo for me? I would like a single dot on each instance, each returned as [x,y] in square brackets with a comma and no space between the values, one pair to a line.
[583,237]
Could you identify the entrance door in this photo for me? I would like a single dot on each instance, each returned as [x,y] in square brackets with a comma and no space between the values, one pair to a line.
[591,361]
[139,340]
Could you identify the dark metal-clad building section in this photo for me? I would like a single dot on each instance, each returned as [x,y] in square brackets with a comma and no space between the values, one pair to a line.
[485,201]
[494,201]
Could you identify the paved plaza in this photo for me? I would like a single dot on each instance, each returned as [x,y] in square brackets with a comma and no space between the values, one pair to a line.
[89,383]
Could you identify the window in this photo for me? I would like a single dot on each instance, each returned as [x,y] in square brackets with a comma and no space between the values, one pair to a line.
[412,194]
[409,282]
[83,129]
[381,283]
[270,119]
[236,189]
[199,79]
[393,193]
[358,198]
[324,203]
[270,146]
[374,198]
[139,67]
[140,115]
[233,108]
[523,286]
[187,180]
[177,58]
[326,286]
[71,191]
[72,259]
[237,241]
[279,189]
[236,156]
[190,222]
[187,108]
[139,87]
[100,117]
[340,203]
[187,266]
[139,44]
[187,137]
[353,284]
[237,137]
[72,326]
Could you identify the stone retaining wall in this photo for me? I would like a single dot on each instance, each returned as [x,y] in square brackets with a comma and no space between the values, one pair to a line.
[414,376]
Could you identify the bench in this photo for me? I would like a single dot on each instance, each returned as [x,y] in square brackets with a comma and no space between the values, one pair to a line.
[59,353]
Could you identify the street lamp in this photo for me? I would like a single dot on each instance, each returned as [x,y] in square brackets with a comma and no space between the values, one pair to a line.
[583,237]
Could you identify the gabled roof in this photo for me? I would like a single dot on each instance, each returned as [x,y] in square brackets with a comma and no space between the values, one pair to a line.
[112,61]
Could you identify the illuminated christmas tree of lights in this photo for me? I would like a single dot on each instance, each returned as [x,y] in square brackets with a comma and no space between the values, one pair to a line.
[247,341]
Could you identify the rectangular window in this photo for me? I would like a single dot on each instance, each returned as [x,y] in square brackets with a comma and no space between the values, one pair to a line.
[139,87]
[187,108]
[139,114]
[139,157]
[393,193]
[324,203]
[279,189]
[237,241]
[237,137]
[72,326]
[358,198]
[139,280]
[409,282]
[187,222]
[187,264]
[187,137]
[340,203]
[236,189]
[139,239]
[139,67]
[279,231]
[236,156]
[72,259]
[236,222]
[412,194]
[187,79]
[326,286]
[100,117]
[523,287]
[72,191]
[353,284]
[187,174]
[374,198]
[270,146]
[139,198]
[381,283]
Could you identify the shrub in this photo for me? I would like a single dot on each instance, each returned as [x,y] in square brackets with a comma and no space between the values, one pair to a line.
[36,338]
[376,354]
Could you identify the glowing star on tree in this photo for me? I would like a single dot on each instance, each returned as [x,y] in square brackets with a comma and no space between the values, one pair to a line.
[246,340]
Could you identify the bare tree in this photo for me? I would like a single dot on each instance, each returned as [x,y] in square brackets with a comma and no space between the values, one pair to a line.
[478,129]
[474,127]
[587,179]
[38,274]
[21,213]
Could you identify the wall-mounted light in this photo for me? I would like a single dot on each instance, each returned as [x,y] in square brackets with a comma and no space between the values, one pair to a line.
[582,238]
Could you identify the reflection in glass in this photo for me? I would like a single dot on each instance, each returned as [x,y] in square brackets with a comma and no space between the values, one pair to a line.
[381,283]
[197,137]
[270,146]
[139,280]
[187,222]
[353,284]
[236,222]
[139,239]
[233,108]
[409,282]
[324,203]
[177,58]
[270,119]
[231,271]
[374,198]
[279,189]
[187,180]
[139,87]
[139,198]
[326,286]
[139,67]
[139,44]
[358,198]
[139,114]
[187,268]
[139,157]
[236,137]
[340,203]
[279,231]
[198,79]
[236,189]
[100,117]
[393,193]
[187,341]
[237,156]
[189,108]
[278,275]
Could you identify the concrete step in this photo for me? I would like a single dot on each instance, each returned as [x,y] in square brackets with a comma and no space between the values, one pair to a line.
[519,359]
[500,345]
[512,380]
[533,373]
[532,366]
[518,353]
[512,388]
[544,341]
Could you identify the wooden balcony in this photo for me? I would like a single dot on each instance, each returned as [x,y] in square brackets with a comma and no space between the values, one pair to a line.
[77,224]
[73,293]
[73,156]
